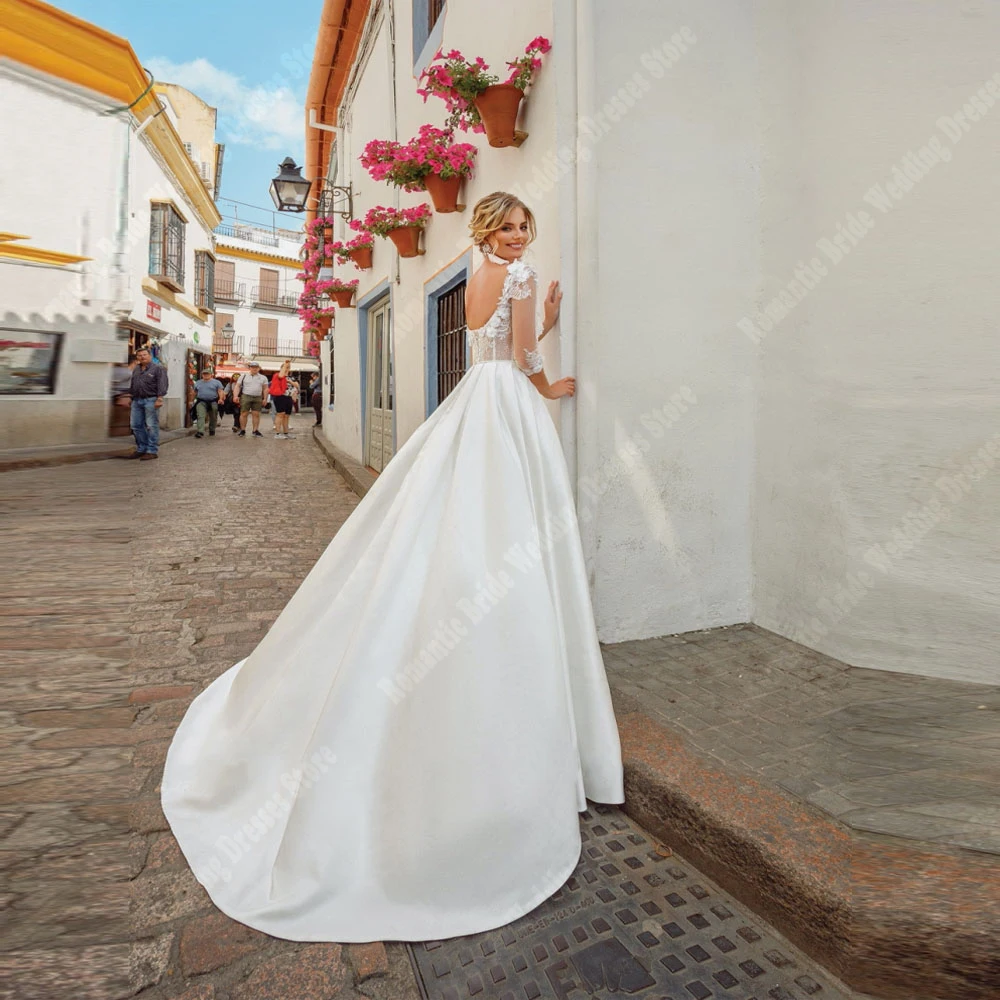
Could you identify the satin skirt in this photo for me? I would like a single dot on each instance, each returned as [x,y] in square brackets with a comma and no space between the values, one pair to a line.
[404,755]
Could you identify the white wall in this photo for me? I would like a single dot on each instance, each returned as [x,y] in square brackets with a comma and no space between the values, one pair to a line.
[70,212]
[248,274]
[882,380]
[447,236]
[668,250]
[149,181]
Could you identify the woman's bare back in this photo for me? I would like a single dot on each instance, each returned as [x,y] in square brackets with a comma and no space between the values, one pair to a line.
[482,294]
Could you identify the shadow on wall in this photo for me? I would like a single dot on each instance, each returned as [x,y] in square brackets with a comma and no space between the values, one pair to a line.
[56,378]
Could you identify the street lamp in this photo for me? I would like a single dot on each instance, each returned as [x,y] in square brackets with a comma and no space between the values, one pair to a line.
[290,192]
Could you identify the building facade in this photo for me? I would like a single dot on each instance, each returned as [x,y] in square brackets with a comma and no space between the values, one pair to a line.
[777,301]
[256,294]
[117,251]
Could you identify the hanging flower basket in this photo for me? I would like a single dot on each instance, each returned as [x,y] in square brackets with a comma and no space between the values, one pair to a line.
[430,161]
[462,85]
[401,225]
[444,192]
[498,106]
[407,240]
[362,257]
[359,250]
[343,292]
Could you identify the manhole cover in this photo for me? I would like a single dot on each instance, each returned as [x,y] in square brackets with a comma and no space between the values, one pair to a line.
[628,921]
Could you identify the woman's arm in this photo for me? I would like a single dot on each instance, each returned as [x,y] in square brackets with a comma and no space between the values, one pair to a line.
[527,357]
[553,298]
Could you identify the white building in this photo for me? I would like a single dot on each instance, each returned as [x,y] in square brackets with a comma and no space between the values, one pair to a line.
[109,243]
[774,228]
[256,297]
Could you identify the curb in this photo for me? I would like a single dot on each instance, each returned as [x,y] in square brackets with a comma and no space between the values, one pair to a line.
[358,477]
[892,918]
[35,458]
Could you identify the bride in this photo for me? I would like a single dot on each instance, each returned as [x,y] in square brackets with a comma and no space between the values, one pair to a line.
[421,776]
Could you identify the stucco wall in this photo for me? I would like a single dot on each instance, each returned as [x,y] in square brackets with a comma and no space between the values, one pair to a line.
[668,244]
[77,210]
[879,386]
[447,235]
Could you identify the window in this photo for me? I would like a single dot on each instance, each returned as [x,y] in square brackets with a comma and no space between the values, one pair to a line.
[268,288]
[434,10]
[222,341]
[427,30]
[267,336]
[204,280]
[166,246]
[450,340]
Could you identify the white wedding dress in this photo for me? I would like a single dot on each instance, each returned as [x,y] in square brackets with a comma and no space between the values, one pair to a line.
[404,755]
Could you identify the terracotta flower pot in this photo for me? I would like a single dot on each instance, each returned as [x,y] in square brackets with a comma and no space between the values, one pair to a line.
[362,257]
[323,327]
[444,193]
[344,298]
[498,106]
[407,240]
[328,234]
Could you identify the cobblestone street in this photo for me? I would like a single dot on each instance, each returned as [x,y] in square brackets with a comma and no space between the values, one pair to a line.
[132,585]
[108,640]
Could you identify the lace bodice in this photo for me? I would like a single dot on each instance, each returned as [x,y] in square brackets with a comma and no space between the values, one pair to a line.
[495,340]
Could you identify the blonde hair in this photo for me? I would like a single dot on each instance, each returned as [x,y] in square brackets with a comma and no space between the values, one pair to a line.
[489,213]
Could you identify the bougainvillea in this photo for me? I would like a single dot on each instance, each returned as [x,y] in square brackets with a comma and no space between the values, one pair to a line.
[382,220]
[431,151]
[459,82]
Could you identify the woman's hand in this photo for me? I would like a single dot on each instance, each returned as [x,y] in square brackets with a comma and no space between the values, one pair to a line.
[561,387]
[553,298]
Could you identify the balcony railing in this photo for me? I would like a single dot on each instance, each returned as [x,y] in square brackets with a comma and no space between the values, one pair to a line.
[231,292]
[271,298]
[249,346]
[249,233]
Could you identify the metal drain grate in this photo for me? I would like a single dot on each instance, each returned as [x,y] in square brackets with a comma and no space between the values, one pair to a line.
[627,921]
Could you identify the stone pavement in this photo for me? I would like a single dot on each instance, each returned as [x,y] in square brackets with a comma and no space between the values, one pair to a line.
[128,587]
[882,752]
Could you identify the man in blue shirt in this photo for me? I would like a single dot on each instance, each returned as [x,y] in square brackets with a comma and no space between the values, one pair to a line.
[208,394]
[147,388]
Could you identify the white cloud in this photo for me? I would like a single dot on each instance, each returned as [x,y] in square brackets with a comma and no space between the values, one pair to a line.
[269,117]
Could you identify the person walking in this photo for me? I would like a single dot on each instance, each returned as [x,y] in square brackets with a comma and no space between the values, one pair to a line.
[281,399]
[229,407]
[147,388]
[251,395]
[208,395]
[316,398]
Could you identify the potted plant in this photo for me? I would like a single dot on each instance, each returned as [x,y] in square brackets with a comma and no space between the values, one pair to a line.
[342,291]
[359,250]
[401,225]
[430,161]
[477,100]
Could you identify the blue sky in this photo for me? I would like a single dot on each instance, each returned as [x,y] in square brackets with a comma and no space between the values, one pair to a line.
[249,59]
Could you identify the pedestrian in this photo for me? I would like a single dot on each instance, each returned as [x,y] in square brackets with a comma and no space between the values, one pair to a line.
[251,395]
[316,395]
[229,407]
[208,394]
[281,399]
[147,388]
